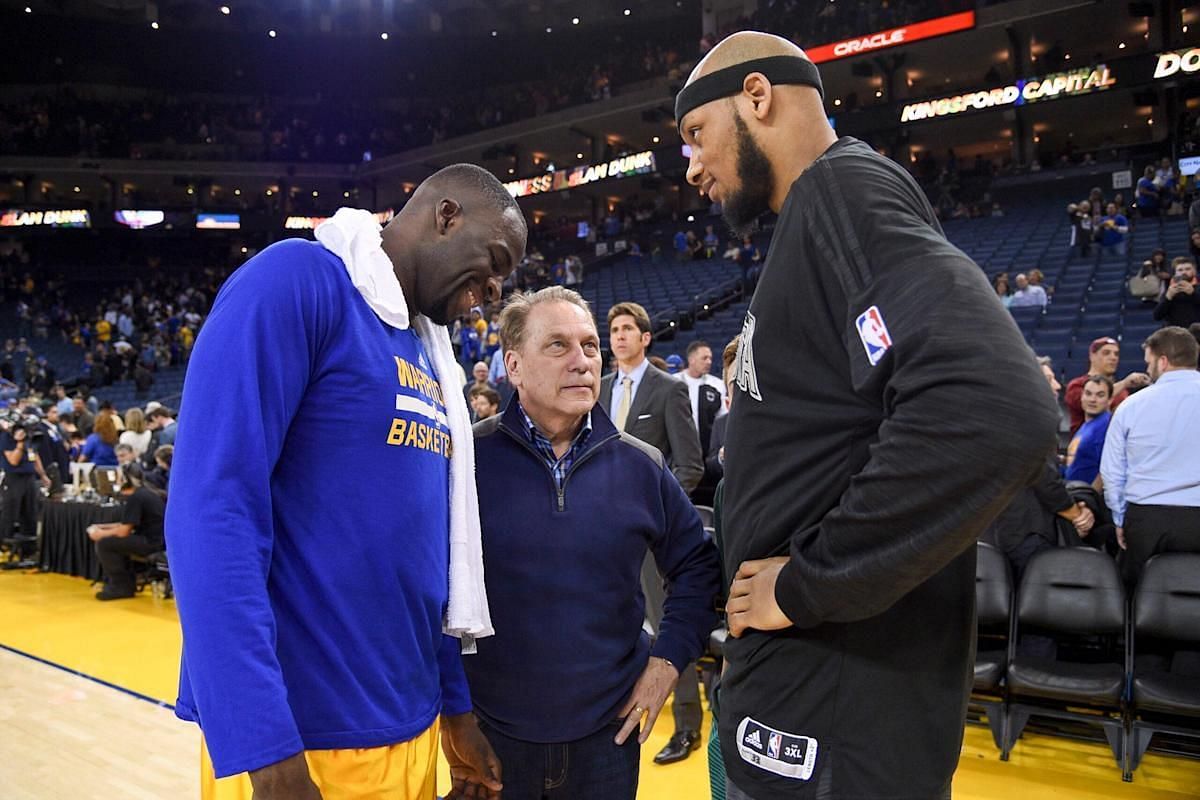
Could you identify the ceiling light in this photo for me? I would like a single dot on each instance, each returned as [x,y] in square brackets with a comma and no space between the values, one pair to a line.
[579,155]
[574,20]
[76,188]
[549,29]
[29,10]
[1121,46]
[1067,57]
[345,194]
[511,170]
[225,10]
[656,140]
[271,33]
[154,25]
[314,192]
[1150,121]
[494,33]
[627,12]
[879,93]
[238,192]
[245,250]
[269,193]
[691,218]
[837,101]
[383,36]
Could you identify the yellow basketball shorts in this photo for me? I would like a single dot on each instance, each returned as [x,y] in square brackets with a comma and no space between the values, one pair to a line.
[405,771]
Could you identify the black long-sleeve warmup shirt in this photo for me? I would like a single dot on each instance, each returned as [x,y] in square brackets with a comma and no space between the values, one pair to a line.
[887,409]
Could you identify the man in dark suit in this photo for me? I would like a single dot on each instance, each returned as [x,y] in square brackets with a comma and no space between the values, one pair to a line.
[653,406]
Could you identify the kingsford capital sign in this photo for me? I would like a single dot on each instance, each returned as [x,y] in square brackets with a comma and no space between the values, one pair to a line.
[892,37]
[1028,90]
[1172,63]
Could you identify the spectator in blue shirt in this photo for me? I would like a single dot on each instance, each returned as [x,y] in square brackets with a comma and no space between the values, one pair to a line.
[99,447]
[1146,196]
[1114,230]
[1027,294]
[682,251]
[1083,454]
[1151,483]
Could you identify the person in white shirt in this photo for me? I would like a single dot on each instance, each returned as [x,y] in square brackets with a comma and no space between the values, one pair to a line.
[1149,466]
[1027,294]
[705,390]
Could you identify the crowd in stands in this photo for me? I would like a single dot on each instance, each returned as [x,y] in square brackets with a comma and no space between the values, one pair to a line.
[129,333]
[315,129]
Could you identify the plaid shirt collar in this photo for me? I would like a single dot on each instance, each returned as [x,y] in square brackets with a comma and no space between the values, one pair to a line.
[558,466]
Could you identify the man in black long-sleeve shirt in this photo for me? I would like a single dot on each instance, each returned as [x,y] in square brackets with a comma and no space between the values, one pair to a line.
[856,485]
[1180,304]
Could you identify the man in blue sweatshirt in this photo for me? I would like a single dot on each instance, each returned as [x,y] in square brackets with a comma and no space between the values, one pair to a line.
[309,548]
[569,507]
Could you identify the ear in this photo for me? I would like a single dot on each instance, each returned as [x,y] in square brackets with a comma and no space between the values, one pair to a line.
[758,90]
[646,338]
[512,365]
[448,211]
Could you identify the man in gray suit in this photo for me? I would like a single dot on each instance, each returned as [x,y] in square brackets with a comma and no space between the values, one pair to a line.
[651,405]
[646,402]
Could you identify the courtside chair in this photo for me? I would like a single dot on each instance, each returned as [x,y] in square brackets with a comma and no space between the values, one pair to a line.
[1075,596]
[994,619]
[1163,653]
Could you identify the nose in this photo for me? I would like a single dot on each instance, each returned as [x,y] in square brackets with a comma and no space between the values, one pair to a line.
[491,290]
[695,169]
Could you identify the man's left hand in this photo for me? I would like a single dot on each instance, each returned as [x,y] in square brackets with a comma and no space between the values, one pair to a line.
[1121,537]
[655,684]
[474,768]
[752,601]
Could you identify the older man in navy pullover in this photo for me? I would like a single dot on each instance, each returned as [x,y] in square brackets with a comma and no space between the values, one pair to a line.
[569,507]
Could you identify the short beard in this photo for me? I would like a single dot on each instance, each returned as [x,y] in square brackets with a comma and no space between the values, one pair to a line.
[756,183]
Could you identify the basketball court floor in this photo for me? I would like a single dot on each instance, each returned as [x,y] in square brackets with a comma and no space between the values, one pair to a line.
[85,689]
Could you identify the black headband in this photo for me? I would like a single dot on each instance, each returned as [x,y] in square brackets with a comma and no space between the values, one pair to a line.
[729,81]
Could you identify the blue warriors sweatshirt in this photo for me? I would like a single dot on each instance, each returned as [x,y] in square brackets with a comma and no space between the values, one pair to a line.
[307,528]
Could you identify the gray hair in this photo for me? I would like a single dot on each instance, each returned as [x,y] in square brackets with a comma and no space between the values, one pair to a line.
[1045,361]
[515,316]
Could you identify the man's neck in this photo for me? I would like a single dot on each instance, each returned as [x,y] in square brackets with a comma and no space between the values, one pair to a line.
[629,366]
[561,431]
[695,376]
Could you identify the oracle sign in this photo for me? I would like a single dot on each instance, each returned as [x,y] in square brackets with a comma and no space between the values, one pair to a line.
[1178,61]
[895,36]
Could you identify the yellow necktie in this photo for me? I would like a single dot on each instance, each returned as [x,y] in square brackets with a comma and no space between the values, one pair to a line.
[623,406]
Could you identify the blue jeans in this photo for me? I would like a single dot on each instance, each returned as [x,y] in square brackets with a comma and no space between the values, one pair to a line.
[592,768]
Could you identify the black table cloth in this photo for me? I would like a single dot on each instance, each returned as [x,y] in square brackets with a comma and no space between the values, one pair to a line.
[66,547]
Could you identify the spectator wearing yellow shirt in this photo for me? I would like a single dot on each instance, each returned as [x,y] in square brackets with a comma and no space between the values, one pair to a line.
[103,331]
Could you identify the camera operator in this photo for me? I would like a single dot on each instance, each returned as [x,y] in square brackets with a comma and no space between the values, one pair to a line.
[22,470]
[51,448]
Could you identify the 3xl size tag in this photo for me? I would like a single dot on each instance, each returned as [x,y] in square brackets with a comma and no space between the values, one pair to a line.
[786,754]
[874,334]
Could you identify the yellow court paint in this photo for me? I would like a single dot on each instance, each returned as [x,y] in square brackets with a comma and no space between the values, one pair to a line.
[57,729]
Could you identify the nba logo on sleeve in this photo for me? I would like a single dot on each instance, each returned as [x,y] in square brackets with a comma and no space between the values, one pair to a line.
[874,334]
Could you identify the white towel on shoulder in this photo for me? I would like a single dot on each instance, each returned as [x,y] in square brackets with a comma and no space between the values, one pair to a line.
[353,235]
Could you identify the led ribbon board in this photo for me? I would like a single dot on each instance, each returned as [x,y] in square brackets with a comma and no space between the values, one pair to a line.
[556,181]
[893,37]
[71,218]
[1028,90]
[1186,61]
[139,219]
